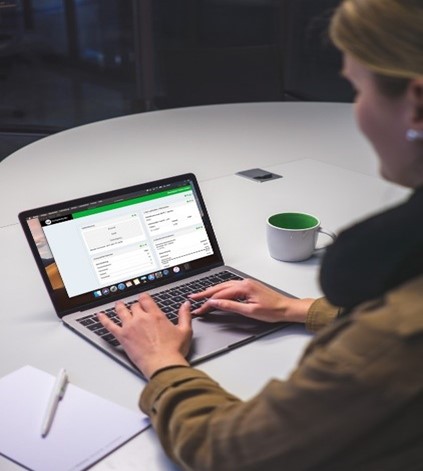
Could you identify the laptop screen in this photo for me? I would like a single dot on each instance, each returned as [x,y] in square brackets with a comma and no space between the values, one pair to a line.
[97,249]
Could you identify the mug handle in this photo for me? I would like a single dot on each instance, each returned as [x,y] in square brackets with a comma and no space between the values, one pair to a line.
[331,234]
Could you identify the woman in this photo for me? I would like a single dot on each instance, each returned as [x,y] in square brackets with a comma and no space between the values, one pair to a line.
[355,401]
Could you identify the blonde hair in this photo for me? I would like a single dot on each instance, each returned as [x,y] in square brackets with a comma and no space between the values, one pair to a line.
[386,36]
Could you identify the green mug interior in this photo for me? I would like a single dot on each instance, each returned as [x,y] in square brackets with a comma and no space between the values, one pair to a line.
[293,221]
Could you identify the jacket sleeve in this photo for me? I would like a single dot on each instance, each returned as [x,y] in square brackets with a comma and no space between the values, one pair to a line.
[320,314]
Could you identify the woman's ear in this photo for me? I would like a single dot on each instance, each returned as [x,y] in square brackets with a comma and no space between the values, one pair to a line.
[414,110]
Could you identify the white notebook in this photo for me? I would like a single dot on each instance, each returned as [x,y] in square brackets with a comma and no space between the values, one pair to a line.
[85,429]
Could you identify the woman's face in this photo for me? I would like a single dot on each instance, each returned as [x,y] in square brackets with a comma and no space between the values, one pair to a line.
[384,121]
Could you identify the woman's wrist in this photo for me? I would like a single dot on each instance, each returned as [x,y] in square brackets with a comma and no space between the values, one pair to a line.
[152,365]
[297,309]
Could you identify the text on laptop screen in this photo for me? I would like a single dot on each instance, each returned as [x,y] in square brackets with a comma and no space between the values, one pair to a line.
[113,245]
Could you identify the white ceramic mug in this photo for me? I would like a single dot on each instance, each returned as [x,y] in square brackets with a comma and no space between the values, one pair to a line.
[292,237]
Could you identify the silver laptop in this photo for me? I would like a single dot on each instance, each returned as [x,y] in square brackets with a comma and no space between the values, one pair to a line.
[154,237]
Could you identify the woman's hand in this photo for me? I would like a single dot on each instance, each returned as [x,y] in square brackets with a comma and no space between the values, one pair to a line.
[150,340]
[258,301]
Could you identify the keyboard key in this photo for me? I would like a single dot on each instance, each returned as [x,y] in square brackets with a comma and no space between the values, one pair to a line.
[108,337]
[172,316]
[101,332]
[87,321]
[95,326]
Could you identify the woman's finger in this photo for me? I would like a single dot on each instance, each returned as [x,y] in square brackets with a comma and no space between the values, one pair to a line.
[122,311]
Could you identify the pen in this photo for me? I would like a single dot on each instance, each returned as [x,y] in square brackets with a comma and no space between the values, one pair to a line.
[56,395]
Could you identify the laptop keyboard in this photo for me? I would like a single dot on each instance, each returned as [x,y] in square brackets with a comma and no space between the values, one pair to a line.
[168,300]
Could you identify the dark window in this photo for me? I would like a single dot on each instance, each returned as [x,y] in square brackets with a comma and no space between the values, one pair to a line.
[64,63]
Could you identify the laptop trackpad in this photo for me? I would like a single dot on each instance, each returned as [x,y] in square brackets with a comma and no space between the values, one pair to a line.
[219,331]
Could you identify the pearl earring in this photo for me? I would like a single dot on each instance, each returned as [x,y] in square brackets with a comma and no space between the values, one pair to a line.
[414,135]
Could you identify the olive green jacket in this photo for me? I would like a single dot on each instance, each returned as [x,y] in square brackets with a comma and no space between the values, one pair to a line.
[355,401]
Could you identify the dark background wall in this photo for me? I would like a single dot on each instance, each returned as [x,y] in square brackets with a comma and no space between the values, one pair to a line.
[65,63]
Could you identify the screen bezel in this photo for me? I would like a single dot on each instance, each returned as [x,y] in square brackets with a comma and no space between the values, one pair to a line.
[65,306]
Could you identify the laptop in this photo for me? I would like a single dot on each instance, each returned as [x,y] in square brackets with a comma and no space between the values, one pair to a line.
[154,237]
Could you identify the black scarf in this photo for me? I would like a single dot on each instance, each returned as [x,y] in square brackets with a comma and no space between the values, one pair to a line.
[375,255]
